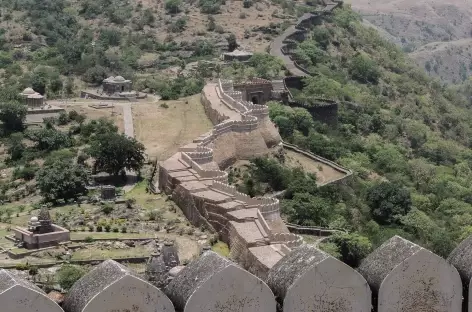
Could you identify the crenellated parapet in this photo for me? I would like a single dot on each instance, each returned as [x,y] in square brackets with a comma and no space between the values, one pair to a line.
[397,276]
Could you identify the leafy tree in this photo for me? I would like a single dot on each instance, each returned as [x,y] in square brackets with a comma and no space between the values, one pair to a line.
[39,79]
[13,116]
[352,247]
[306,209]
[68,274]
[232,43]
[365,70]
[285,126]
[95,74]
[266,65]
[16,147]
[62,180]
[269,171]
[114,152]
[49,139]
[388,202]
[210,6]
[173,6]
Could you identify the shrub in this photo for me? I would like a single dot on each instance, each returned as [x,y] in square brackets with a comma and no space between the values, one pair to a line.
[107,228]
[123,229]
[99,228]
[173,6]
[22,266]
[116,230]
[67,275]
[164,105]
[88,239]
[247,4]
[210,6]
[107,208]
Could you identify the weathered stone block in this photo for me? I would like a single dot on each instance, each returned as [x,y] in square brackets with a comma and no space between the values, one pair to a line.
[19,295]
[308,279]
[407,277]
[213,284]
[113,287]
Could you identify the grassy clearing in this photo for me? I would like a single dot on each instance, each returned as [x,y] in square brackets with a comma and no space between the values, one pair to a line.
[95,253]
[221,248]
[110,235]
[163,130]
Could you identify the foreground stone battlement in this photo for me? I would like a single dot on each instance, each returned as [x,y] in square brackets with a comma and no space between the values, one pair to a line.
[397,276]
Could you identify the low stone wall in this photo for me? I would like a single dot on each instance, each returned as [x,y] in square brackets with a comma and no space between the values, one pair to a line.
[84,94]
[347,173]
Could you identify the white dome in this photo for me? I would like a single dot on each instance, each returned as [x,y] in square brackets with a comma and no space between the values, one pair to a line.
[119,78]
[28,91]
[34,219]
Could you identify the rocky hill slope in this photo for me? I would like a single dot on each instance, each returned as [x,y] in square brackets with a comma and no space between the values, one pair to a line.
[438,32]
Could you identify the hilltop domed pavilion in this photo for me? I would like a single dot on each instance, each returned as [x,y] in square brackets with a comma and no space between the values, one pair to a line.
[118,84]
[32,98]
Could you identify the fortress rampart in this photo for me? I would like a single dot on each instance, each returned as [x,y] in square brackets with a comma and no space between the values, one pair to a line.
[397,276]
[201,189]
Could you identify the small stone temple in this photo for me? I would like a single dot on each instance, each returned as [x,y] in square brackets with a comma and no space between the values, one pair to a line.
[41,232]
[117,84]
[32,98]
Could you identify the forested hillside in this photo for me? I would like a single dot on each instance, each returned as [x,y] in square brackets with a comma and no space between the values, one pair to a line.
[59,47]
[407,141]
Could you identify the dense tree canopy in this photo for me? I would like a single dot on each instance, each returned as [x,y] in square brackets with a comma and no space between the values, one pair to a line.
[12,116]
[62,180]
[115,152]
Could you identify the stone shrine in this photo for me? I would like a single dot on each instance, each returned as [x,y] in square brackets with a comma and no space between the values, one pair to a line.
[118,84]
[41,232]
[33,99]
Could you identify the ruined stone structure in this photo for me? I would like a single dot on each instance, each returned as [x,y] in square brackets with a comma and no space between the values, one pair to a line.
[32,99]
[107,192]
[41,232]
[160,264]
[118,84]
[237,55]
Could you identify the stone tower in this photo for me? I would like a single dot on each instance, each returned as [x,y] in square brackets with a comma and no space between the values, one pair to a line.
[45,221]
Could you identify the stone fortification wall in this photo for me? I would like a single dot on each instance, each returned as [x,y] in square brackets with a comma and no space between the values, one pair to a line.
[397,276]
[283,47]
[242,130]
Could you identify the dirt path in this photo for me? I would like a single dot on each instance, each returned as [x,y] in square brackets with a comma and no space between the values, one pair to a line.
[128,120]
